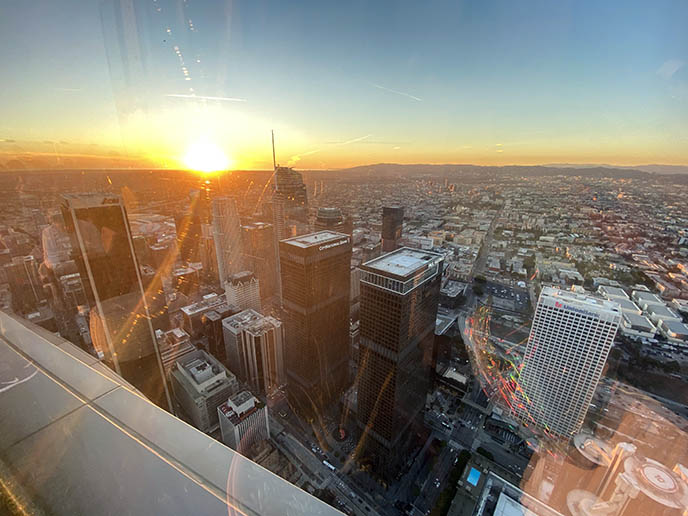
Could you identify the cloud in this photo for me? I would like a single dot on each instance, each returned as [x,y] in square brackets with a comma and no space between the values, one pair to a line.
[669,68]
[297,157]
[354,140]
[417,99]
[204,97]
[68,90]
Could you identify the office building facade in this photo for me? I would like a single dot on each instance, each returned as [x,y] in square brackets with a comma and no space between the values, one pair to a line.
[254,347]
[315,299]
[25,284]
[243,421]
[570,339]
[227,235]
[120,322]
[200,384]
[243,291]
[399,298]
[213,331]
[392,224]
[260,256]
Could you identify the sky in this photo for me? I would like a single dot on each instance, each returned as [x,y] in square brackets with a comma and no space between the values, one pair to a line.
[141,82]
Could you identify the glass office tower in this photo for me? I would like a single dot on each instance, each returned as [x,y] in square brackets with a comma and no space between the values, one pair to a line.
[315,297]
[399,297]
[120,321]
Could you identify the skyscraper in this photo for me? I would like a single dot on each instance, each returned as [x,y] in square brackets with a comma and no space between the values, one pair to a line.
[189,226]
[289,203]
[200,384]
[120,322]
[399,297]
[260,256]
[289,182]
[25,284]
[569,341]
[227,235]
[243,291]
[255,349]
[315,297]
[333,220]
[392,223]
[243,421]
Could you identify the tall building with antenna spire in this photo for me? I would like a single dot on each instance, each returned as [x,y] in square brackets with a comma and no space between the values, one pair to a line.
[290,200]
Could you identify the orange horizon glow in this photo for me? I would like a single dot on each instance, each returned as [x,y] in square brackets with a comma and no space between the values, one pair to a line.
[230,150]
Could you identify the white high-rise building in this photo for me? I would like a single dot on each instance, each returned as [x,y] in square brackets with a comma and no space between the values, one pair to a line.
[243,421]
[569,341]
[227,236]
[243,291]
[254,347]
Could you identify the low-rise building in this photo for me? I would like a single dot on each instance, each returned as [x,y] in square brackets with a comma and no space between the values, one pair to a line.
[680,306]
[637,326]
[627,306]
[243,421]
[644,299]
[658,313]
[614,293]
[675,332]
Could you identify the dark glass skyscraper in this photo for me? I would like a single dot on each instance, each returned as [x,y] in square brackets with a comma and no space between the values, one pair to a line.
[315,297]
[289,203]
[399,297]
[260,256]
[392,222]
[120,322]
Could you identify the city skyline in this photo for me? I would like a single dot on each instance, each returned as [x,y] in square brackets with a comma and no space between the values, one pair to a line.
[383,258]
[342,86]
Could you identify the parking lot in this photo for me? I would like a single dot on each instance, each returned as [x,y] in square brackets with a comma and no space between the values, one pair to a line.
[508,298]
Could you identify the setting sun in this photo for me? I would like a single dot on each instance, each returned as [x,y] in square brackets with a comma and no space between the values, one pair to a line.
[206,157]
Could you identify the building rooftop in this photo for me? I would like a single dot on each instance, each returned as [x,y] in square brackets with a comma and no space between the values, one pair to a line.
[251,321]
[638,321]
[608,291]
[91,199]
[647,297]
[403,262]
[678,328]
[208,301]
[663,311]
[240,277]
[580,299]
[319,238]
[626,304]
[680,304]
[239,406]
[453,288]
[200,373]
[118,452]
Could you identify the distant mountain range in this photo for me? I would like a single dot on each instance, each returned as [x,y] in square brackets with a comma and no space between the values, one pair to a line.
[389,171]
[653,168]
